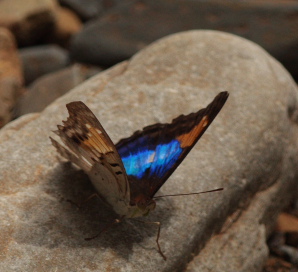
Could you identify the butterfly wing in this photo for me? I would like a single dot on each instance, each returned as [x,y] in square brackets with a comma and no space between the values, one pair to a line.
[150,156]
[89,146]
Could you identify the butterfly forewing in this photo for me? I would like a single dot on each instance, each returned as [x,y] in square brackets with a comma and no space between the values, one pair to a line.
[150,156]
[89,146]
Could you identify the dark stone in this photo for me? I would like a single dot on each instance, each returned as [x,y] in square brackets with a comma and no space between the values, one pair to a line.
[292,238]
[121,32]
[91,8]
[40,60]
[85,9]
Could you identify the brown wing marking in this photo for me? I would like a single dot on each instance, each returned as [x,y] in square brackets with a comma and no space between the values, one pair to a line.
[87,145]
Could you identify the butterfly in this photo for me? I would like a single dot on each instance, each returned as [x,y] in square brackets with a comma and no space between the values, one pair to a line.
[128,175]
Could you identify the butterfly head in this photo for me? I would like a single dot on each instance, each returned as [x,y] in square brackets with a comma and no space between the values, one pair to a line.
[146,205]
[142,206]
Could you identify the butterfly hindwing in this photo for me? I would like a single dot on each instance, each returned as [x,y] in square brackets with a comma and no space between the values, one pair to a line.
[151,155]
[89,146]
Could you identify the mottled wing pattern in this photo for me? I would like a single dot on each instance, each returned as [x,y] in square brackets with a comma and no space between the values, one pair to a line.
[89,146]
[150,156]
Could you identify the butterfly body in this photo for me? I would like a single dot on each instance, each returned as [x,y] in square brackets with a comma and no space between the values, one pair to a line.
[128,175]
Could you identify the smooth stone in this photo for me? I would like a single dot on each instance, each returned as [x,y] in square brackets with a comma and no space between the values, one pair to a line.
[11,78]
[67,24]
[43,59]
[119,33]
[251,150]
[85,9]
[92,8]
[225,251]
[49,87]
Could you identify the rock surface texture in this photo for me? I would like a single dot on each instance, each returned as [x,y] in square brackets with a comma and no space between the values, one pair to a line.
[250,149]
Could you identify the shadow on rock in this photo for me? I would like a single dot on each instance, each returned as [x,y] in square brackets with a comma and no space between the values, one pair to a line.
[50,220]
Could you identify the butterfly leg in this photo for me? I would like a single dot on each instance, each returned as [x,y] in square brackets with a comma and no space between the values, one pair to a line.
[116,221]
[157,236]
[89,198]
[157,240]
[79,205]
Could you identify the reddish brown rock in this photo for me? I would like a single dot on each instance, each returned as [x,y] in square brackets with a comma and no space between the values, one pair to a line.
[10,75]
[31,21]
[67,24]
[287,223]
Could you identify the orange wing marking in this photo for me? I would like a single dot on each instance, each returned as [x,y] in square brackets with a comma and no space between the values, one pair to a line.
[97,141]
[187,139]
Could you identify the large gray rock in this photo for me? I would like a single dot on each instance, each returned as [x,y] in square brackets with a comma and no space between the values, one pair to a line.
[251,149]
[244,227]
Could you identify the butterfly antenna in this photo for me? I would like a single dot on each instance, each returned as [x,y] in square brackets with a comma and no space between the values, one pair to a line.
[197,193]
[116,221]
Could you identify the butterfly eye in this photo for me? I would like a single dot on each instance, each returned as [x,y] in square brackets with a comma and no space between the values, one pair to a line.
[151,205]
[145,203]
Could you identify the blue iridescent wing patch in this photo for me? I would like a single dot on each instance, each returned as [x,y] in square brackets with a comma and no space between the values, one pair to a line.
[159,160]
[151,155]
